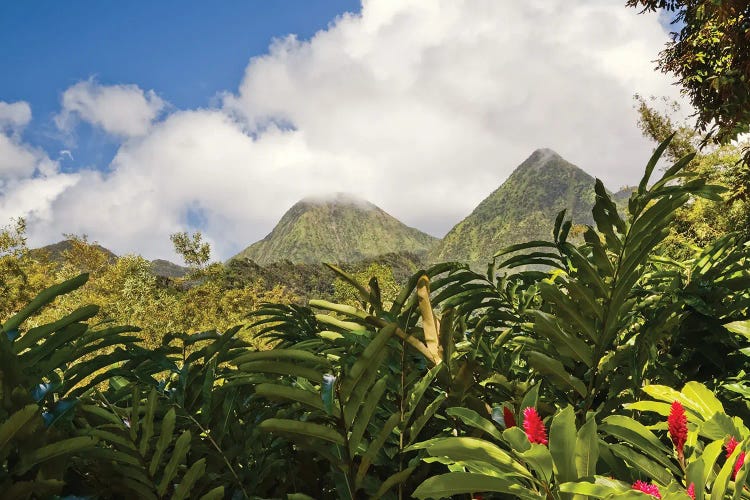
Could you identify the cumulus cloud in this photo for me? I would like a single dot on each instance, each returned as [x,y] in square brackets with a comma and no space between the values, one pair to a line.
[422,107]
[29,180]
[121,110]
[14,116]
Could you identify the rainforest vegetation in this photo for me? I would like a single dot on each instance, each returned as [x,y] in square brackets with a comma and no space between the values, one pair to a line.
[606,360]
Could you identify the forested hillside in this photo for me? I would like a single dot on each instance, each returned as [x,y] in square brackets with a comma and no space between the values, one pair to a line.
[336,230]
[523,208]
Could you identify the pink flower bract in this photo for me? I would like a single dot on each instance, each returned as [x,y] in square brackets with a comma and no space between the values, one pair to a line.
[691,491]
[534,427]
[649,488]
[677,424]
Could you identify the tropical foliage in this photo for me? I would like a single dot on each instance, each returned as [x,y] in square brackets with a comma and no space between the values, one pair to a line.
[598,367]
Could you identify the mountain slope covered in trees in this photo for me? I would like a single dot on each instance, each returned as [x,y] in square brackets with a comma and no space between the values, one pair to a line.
[339,229]
[523,208]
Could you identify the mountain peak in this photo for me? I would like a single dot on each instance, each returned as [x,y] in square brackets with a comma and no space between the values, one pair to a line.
[523,208]
[338,198]
[541,158]
[336,228]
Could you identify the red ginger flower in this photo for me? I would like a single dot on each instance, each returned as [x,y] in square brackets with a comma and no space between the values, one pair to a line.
[677,424]
[738,464]
[730,446]
[534,427]
[648,488]
[691,491]
[508,418]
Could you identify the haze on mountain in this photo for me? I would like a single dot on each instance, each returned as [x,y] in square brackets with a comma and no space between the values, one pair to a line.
[523,208]
[337,229]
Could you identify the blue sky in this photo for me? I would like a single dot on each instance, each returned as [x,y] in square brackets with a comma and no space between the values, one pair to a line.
[184,116]
[187,50]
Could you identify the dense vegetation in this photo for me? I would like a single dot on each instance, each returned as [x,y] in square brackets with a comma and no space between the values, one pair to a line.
[610,367]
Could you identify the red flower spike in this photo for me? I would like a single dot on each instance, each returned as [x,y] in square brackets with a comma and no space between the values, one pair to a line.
[648,488]
[677,424]
[691,491]
[508,418]
[534,427]
[731,445]
[738,464]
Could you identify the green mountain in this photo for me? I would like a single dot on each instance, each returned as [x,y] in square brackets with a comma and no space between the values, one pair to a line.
[336,230]
[523,208]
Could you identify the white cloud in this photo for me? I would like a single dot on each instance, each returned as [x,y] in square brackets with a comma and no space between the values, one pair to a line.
[29,180]
[18,159]
[14,116]
[121,110]
[422,107]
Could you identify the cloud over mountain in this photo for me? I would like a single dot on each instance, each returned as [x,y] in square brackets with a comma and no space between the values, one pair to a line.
[422,107]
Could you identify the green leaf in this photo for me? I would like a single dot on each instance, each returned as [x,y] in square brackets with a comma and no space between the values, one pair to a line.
[304,429]
[38,333]
[189,479]
[54,450]
[372,451]
[365,363]
[20,421]
[647,466]
[215,494]
[540,459]
[517,439]
[546,325]
[457,483]
[179,452]
[703,398]
[365,414]
[739,327]
[393,480]
[562,444]
[587,449]
[165,439]
[589,489]
[291,355]
[279,391]
[530,400]
[657,407]
[282,368]
[552,367]
[473,419]
[718,426]
[417,391]
[638,436]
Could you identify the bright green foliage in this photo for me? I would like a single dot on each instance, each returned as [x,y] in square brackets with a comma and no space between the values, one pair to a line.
[700,221]
[710,55]
[194,251]
[385,284]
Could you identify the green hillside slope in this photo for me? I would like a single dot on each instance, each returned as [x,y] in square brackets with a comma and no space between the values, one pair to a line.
[523,208]
[339,229]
